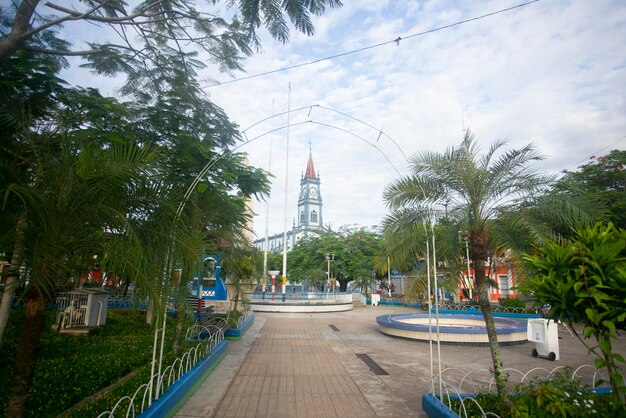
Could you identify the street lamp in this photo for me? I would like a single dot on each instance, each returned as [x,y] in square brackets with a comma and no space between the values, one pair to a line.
[389,277]
[469,278]
[329,257]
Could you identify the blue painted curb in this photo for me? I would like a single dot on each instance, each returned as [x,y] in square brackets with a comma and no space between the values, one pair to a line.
[434,408]
[477,312]
[178,390]
[237,333]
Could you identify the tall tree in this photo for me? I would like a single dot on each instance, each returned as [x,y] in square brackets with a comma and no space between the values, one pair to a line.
[86,176]
[602,181]
[473,189]
[71,200]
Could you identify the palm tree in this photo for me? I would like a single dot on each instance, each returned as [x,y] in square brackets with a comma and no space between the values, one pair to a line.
[74,206]
[474,189]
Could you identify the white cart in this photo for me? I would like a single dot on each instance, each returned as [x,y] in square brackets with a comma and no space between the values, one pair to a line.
[545,334]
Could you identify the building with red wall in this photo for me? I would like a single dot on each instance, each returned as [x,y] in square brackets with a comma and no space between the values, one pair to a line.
[501,275]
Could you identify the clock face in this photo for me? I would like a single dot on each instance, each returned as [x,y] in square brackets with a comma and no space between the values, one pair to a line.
[312,192]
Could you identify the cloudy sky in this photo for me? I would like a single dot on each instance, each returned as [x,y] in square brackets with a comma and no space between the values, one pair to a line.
[552,73]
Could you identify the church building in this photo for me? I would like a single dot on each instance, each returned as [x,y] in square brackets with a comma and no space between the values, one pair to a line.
[309,218]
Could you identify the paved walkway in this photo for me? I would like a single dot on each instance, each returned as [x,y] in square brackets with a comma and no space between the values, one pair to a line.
[297,365]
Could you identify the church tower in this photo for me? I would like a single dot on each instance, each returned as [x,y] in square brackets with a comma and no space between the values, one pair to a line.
[309,217]
[310,200]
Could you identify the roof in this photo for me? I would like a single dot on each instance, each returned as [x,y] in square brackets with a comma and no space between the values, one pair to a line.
[310,169]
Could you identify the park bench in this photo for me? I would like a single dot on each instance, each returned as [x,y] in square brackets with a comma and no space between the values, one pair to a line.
[208,317]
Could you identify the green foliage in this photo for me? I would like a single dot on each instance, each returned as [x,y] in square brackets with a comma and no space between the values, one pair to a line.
[168,35]
[585,281]
[354,251]
[489,402]
[513,303]
[474,189]
[240,270]
[602,181]
[7,353]
[73,367]
[559,396]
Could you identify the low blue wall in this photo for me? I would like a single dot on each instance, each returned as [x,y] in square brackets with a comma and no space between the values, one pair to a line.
[179,390]
[494,313]
[237,333]
[434,408]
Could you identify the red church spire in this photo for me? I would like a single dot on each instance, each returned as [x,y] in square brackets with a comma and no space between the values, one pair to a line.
[310,169]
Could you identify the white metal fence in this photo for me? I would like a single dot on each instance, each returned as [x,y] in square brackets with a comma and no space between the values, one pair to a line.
[456,382]
[208,339]
[71,309]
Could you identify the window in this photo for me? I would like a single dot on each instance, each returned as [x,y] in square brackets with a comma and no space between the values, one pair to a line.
[302,217]
[314,216]
[504,285]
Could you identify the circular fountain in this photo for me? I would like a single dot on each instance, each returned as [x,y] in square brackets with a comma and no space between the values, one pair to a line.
[461,329]
[300,302]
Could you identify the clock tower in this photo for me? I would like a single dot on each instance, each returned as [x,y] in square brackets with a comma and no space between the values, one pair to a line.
[310,200]
[308,221]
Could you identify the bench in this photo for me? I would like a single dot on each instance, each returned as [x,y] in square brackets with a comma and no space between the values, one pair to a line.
[208,317]
[203,313]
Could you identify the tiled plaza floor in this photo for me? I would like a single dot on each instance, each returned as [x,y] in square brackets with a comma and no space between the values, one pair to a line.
[297,365]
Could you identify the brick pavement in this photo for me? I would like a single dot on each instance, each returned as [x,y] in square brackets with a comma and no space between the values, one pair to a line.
[292,371]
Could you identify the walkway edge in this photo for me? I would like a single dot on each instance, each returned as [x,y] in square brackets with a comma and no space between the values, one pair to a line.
[169,403]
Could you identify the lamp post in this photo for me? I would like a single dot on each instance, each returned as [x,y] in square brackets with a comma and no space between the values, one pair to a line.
[273,274]
[469,278]
[329,257]
[388,277]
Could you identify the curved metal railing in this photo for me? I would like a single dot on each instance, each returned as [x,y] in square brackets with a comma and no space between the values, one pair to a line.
[209,338]
[483,380]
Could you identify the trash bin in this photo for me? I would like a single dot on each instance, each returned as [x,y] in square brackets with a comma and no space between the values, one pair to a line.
[545,334]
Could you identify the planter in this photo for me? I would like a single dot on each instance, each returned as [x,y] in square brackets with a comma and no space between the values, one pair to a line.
[234,334]
[434,408]
[179,392]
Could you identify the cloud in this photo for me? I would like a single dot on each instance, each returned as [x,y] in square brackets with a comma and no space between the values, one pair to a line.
[551,73]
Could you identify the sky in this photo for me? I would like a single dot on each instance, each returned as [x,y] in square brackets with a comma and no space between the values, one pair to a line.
[551,73]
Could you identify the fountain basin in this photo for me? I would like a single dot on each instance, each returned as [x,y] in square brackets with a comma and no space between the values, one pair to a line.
[457,329]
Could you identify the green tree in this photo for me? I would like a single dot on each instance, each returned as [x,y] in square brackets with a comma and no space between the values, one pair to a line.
[73,147]
[78,185]
[584,281]
[602,181]
[170,22]
[155,42]
[473,189]
[71,201]
[353,249]
[405,237]
[240,271]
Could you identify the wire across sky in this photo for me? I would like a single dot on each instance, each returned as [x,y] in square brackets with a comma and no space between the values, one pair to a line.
[365,48]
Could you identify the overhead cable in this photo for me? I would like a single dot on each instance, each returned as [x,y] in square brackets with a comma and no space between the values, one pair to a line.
[396,41]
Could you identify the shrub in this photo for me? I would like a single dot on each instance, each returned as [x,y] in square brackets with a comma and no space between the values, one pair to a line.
[71,368]
[558,396]
[513,303]
[584,281]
